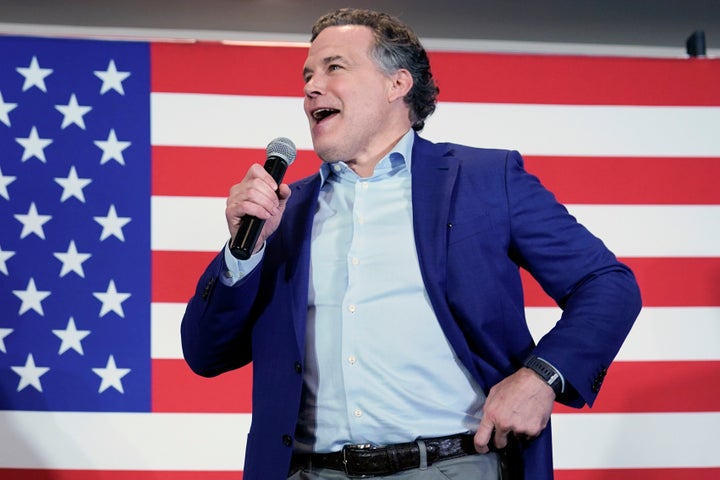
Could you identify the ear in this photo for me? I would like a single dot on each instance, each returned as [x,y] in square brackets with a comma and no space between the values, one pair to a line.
[402,82]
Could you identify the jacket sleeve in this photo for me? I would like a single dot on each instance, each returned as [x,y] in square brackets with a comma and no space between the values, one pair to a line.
[598,295]
[215,329]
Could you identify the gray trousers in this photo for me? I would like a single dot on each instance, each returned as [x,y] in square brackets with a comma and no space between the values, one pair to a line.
[472,467]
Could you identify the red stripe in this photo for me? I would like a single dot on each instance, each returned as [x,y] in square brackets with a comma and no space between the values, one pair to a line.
[664,282]
[678,282]
[624,180]
[176,388]
[640,474]
[210,172]
[175,274]
[198,171]
[211,67]
[38,474]
[486,77]
[643,387]
[630,387]
[570,80]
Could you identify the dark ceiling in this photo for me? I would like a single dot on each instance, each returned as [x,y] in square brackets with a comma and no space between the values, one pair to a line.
[648,23]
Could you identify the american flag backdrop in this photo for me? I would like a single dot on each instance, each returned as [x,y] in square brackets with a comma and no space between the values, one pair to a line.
[115,158]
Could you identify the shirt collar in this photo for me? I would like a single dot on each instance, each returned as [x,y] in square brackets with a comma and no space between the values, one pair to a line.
[400,153]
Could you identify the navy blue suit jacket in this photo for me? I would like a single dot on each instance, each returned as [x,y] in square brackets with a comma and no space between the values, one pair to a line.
[478,217]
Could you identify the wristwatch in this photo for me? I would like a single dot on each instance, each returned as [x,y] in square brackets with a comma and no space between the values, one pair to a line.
[546,371]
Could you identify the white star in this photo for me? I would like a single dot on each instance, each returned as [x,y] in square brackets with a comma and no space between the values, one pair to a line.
[34,145]
[112,79]
[6,108]
[31,298]
[73,113]
[5,180]
[71,337]
[4,257]
[4,332]
[72,185]
[32,222]
[111,376]
[111,300]
[30,374]
[34,75]
[112,148]
[72,260]
[112,224]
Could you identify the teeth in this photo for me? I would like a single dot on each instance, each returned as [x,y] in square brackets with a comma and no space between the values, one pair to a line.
[322,113]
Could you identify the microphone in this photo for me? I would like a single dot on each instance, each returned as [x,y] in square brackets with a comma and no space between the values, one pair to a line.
[280,154]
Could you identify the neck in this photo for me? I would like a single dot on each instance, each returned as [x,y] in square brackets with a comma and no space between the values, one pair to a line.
[365,166]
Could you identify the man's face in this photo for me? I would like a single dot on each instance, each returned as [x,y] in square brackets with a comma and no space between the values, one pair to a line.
[350,103]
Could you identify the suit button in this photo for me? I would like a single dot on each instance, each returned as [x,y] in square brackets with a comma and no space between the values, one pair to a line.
[287,440]
[298,367]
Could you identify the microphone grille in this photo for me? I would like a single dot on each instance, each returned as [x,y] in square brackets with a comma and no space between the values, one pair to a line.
[282,147]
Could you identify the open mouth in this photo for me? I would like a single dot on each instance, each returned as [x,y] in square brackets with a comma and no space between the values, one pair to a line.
[322,113]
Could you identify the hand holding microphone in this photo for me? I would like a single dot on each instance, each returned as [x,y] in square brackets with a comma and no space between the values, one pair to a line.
[256,204]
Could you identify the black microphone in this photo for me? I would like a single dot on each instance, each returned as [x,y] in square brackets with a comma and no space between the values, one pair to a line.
[280,154]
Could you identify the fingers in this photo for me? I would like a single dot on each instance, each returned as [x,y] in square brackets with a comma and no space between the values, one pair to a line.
[257,195]
[482,436]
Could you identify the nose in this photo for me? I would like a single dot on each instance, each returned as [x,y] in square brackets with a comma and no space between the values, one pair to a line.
[313,87]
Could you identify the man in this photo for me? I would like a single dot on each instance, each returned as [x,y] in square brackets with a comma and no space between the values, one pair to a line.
[382,307]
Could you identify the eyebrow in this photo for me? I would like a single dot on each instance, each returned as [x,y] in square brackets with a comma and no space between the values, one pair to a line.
[325,61]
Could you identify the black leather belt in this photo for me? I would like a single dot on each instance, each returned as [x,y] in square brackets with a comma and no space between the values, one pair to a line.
[367,460]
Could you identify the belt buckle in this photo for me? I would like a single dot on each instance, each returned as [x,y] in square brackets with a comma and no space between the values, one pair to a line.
[360,446]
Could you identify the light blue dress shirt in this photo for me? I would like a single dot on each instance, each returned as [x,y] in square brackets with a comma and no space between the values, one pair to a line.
[378,368]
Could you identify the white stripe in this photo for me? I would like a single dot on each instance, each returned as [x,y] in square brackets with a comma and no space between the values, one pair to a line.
[122,441]
[659,334]
[206,120]
[137,441]
[165,319]
[188,223]
[252,121]
[580,130]
[652,440]
[654,230]
[198,224]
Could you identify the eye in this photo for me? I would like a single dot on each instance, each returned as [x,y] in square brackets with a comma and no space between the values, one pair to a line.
[333,67]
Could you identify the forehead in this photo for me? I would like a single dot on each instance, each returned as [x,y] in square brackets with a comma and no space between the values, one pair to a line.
[351,42]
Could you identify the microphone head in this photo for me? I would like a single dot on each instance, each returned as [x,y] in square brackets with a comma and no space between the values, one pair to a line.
[281,147]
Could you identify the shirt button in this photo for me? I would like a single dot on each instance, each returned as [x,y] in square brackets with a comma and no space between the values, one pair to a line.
[351,308]
[287,440]
[361,220]
[364,185]
[355,261]
[352,360]
[337,167]
[357,412]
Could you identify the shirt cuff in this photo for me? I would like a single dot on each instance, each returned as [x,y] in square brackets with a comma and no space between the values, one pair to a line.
[237,269]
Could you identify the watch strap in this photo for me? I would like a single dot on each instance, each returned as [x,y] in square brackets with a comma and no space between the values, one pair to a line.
[546,371]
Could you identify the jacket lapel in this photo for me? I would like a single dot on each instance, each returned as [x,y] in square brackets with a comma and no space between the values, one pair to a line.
[296,231]
[434,170]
